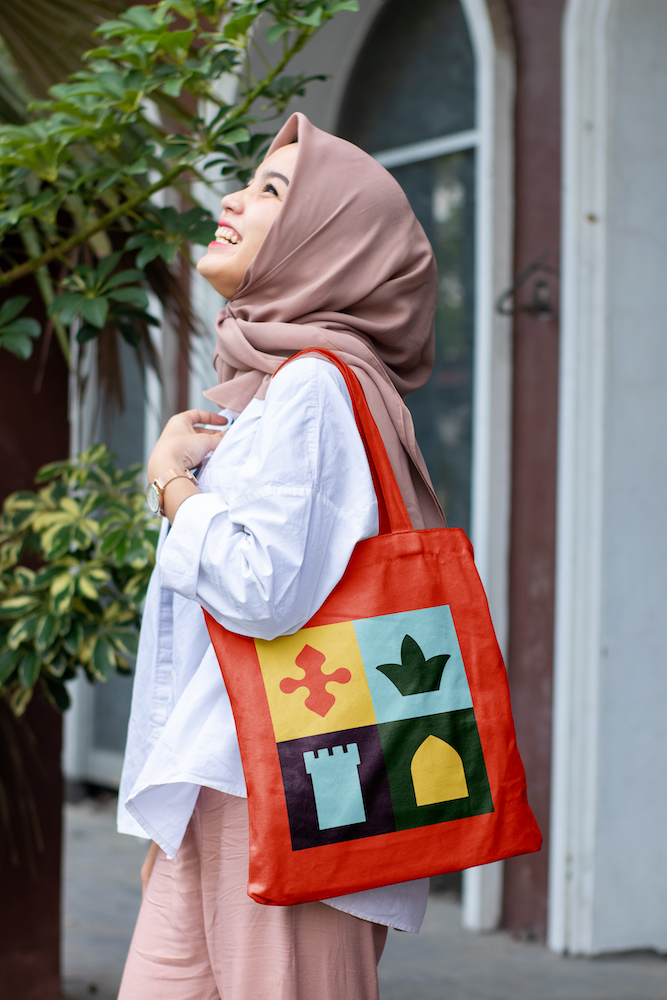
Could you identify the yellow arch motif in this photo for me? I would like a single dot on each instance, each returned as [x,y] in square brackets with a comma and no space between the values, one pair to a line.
[437,773]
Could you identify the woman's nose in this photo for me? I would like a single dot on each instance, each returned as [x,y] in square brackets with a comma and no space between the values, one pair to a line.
[233,202]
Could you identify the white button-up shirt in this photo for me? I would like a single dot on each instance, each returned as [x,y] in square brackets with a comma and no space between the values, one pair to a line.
[286,496]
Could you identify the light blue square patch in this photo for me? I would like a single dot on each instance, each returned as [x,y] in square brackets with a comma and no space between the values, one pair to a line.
[412,666]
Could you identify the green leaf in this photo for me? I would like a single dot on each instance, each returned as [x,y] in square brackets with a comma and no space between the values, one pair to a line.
[16,335]
[141,17]
[28,669]
[22,630]
[237,27]
[56,543]
[58,665]
[13,606]
[67,306]
[94,311]
[58,694]
[176,43]
[173,87]
[20,346]
[104,658]
[44,576]
[236,135]
[74,638]
[62,592]
[24,327]
[24,577]
[47,630]
[129,334]
[86,587]
[152,249]
[276,31]
[111,540]
[11,308]
[49,472]
[87,332]
[106,266]
[335,6]
[126,640]
[124,277]
[8,661]
[314,18]
[137,296]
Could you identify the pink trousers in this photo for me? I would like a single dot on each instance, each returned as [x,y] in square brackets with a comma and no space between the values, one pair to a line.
[199,936]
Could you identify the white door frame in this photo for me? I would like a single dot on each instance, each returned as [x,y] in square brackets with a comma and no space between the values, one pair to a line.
[491,36]
[577,658]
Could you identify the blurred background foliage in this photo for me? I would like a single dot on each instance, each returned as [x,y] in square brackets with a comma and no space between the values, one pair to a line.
[109,114]
[75,559]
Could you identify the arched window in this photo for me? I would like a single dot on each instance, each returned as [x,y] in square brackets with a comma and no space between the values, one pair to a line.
[410,101]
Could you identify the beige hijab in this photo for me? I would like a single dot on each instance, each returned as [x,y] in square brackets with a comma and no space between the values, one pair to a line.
[347,267]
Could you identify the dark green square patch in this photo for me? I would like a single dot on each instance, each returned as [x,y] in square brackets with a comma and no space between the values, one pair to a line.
[436,769]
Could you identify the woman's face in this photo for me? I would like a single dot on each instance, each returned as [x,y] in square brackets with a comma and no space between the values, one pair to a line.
[245,220]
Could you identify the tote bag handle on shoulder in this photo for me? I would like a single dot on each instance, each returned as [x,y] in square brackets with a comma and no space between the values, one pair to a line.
[392,512]
[377,741]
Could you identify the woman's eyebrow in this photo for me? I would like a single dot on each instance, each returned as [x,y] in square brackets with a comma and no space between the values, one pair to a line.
[275,173]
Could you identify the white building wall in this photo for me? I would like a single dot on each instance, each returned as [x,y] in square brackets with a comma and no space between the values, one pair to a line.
[609,853]
[630,907]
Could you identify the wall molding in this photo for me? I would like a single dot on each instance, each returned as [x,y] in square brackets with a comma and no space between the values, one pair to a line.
[580,478]
[490,32]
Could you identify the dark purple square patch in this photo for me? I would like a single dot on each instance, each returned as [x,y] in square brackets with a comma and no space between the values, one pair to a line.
[302,809]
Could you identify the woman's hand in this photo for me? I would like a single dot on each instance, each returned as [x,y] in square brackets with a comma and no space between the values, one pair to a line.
[147,867]
[182,445]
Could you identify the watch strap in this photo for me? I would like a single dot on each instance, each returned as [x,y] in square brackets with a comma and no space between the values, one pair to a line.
[166,477]
[161,481]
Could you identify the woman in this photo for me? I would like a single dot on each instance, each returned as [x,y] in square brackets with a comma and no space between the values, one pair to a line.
[320,250]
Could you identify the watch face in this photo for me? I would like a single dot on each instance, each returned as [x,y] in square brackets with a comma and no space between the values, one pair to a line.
[153,499]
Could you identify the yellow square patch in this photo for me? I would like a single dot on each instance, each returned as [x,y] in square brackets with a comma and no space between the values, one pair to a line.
[315,681]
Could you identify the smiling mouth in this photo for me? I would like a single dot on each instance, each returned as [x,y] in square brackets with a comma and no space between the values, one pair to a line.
[226,236]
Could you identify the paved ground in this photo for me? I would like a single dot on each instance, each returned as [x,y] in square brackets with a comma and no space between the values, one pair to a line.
[102,895]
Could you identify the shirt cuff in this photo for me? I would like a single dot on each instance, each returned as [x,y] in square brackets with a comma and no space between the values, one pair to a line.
[182,550]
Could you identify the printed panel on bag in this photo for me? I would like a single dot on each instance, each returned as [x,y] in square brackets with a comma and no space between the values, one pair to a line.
[315,681]
[375,727]
[413,664]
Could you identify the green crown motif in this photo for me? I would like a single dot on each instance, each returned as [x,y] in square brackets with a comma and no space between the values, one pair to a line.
[415,674]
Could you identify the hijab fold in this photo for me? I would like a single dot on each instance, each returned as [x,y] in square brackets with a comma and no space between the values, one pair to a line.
[345,266]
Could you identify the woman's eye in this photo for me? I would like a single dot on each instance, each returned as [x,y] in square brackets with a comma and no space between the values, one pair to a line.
[271,190]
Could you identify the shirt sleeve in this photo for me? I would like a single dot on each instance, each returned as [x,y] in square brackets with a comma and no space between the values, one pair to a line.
[262,555]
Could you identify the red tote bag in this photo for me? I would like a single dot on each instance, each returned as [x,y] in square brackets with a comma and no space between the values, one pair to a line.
[377,741]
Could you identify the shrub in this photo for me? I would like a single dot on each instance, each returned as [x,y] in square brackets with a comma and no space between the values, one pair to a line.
[75,559]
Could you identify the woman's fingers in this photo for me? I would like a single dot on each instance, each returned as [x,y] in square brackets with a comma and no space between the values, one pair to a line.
[185,445]
[195,448]
[186,421]
[204,417]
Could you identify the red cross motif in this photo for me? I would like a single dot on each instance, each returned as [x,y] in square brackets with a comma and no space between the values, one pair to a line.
[319,700]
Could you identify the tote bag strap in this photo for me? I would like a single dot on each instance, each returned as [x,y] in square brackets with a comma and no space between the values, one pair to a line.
[392,512]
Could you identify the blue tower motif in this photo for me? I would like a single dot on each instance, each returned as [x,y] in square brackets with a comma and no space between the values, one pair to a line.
[335,777]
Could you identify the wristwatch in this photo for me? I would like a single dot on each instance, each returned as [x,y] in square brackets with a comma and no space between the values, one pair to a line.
[156,488]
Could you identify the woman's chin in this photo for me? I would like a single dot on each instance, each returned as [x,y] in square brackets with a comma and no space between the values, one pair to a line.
[215,267]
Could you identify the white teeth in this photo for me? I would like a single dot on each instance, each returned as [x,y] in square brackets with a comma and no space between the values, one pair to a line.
[224,234]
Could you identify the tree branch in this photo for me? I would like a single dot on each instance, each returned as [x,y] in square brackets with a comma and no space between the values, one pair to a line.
[270,77]
[81,237]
